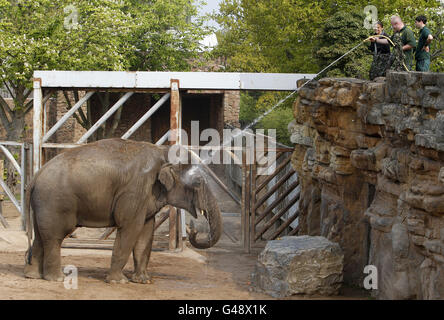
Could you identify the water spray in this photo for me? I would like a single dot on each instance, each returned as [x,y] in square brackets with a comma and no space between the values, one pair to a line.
[205,162]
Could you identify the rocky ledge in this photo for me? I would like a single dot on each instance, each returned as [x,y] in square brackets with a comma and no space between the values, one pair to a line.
[370,158]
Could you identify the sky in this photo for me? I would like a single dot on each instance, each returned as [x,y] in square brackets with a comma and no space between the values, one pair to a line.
[208,8]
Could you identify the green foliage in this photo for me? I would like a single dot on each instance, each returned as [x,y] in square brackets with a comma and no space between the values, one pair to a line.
[279,120]
[165,37]
[90,35]
[254,104]
[305,36]
[268,36]
[341,33]
[282,35]
[248,111]
[435,17]
[110,35]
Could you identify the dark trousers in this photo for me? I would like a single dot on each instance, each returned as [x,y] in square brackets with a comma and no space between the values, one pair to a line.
[423,65]
[379,66]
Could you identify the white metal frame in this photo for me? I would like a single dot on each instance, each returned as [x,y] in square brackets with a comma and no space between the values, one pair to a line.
[170,83]
[161,80]
[21,169]
[93,81]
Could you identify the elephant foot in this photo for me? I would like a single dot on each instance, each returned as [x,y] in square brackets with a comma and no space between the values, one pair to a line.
[54,276]
[141,277]
[32,272]
[116,278]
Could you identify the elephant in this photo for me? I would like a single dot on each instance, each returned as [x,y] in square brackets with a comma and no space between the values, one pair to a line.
[113,183]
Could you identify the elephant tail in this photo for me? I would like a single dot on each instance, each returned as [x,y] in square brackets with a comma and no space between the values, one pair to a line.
[29,219]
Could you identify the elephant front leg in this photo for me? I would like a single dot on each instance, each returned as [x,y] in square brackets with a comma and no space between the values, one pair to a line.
[125,241]
[142,252]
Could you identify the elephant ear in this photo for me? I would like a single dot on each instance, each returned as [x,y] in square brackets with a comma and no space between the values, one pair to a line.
[166,176]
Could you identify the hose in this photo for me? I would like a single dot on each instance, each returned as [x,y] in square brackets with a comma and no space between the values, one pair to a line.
[391,42]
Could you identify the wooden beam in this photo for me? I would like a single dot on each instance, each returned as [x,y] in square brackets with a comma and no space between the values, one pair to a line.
[37,124]
[277,216]
[176,113]
[253,201]
[271,176]
[277,201]
[173,229]
[2,219]
[162,219]
[175,138]
[275,187]
[284,226]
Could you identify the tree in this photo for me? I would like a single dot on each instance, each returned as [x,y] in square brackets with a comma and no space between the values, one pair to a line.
[305,36]
[89,35]
[281,35]
[33,36]
[159,36]
[340,34]
[268,36]
[255,104]
[435,16]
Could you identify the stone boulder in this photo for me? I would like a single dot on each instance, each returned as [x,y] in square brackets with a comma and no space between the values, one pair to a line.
[299,265]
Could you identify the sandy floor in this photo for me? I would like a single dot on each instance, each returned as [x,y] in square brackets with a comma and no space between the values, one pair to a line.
[176,276]
[222,272]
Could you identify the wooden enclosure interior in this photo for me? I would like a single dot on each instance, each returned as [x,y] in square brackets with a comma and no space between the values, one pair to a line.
[178,105]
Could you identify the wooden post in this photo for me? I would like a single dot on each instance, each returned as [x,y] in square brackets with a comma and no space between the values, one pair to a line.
[175,235]
[245,213]
[179,241]
[23,181]
[37,124]
[176,113]
[173,229]
[2,219]
[30,173]
[253,201]
[248,208]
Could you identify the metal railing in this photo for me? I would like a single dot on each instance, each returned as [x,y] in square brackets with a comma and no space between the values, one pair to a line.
[22,167]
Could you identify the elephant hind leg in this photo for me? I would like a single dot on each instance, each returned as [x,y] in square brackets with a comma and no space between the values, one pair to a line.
[52,260]
[34,266]
[52,236]
[142,252]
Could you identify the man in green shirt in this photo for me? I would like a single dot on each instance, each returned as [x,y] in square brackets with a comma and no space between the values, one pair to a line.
[407,38]
[422,54]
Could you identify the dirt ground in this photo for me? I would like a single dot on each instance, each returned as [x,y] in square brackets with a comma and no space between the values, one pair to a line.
[222,272]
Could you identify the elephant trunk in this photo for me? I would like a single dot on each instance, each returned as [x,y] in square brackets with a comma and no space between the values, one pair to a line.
[214,218]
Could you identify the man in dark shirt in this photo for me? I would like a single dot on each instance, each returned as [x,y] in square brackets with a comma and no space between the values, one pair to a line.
[407,38]
[381,54]
[422,54]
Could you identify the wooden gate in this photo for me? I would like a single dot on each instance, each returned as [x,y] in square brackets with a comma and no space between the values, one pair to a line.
[269,202]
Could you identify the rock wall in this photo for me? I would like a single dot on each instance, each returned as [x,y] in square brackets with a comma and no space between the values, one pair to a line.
[370,157]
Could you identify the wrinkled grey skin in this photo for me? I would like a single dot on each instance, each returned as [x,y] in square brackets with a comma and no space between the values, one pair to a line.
[112,183]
